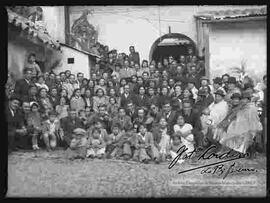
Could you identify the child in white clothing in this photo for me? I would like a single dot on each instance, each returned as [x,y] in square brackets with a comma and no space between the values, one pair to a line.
[206,121]
[184,130]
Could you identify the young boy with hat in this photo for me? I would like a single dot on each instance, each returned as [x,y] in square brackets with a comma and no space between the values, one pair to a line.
[34,124]
[78,144]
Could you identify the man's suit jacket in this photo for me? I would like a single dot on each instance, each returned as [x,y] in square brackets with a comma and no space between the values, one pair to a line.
[21,88]
[149,140]
[125,123]
[140,102]
[124,100]
[134,57]
[68,126]
[171,120]
[13,122]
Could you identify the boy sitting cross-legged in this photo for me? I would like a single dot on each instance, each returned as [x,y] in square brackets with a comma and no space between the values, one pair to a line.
[113,146]
[126,143]
[96,144]
[145,147]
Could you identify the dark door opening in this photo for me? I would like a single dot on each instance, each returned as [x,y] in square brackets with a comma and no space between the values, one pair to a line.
[172,44]
[162,52]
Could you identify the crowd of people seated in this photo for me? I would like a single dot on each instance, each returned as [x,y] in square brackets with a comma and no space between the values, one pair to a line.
[132,109]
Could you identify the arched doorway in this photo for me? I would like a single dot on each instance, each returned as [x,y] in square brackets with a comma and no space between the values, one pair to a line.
[172,44]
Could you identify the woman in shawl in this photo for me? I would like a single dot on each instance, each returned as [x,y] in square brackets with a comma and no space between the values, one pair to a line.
[240,126]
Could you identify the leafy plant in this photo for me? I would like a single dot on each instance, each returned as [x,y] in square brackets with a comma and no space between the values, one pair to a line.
[240,71]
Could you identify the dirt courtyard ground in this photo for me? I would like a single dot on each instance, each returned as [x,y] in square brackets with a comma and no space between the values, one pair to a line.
[49,174]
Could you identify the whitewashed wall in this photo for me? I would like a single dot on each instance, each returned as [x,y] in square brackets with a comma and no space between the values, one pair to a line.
[54,18]
[230,43]
[81,62]
[121,26]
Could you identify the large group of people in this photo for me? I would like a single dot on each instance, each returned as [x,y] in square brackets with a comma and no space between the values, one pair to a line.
[132,109]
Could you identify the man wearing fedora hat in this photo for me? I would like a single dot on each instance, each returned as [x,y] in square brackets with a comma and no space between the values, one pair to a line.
[217,84]
[15,126]
[78,144]
[231,88]
[201,101]
[204,82]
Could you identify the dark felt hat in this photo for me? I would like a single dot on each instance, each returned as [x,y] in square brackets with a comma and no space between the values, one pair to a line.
[191,80]
[204,78]
[217,80]
[202,92]
[220,92]
[232,80]
[236,95]
[15,97]
[246,94]
[79,131]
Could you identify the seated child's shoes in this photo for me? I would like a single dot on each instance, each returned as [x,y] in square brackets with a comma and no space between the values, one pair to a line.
[35,147]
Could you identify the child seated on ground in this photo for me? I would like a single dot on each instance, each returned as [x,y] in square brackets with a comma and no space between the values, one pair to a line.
[78,144]
[127,142]
[82,116]
[163,140]
[34,124]
[99,125]
[183,130]
[112,141]
[96,144]
[206,121]
[51,131]
[145,148]
[174,147]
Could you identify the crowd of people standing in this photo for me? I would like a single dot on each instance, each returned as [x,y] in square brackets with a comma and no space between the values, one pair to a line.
[132,109]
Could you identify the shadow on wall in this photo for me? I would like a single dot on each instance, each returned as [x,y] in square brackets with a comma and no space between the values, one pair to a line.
[16,60]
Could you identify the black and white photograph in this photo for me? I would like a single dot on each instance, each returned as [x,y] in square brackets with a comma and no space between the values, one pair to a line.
[136,101]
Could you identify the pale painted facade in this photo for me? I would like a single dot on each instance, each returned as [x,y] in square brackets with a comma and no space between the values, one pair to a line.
[82,61]
[233,43]
[122,26]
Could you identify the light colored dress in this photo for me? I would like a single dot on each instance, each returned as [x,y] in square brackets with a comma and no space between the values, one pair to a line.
[188,141]
[218,111]
[241,131]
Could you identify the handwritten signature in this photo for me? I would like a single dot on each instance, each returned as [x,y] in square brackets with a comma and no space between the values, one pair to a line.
[214,168]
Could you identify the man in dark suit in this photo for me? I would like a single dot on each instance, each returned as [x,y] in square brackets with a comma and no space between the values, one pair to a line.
[194,119]
[32,94]
[134,56]
[22,85]
[141,100]
[126,96]
[14,122]
[68,124]
[131,110]
[170,115]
